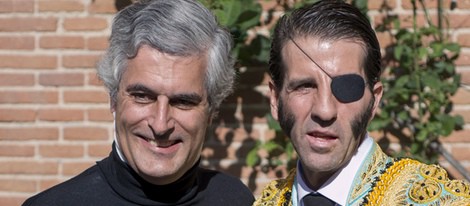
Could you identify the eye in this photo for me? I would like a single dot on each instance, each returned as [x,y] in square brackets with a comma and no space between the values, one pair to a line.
[304,87]
[142,97]
[183,104]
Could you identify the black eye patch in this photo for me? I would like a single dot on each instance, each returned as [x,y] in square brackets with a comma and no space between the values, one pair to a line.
[348,88]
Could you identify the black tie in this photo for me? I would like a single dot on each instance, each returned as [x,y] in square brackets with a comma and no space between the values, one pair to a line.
[317,199]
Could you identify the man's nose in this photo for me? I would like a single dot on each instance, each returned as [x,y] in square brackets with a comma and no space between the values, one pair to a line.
[160,119]
[324,110]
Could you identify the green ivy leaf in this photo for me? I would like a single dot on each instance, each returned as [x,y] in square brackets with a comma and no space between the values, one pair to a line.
[252,157]
[270,146]
[272,123]
[422,135]
[453,47]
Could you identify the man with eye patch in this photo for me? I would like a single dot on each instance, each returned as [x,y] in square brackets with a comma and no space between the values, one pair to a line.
[324,91]
[167,69]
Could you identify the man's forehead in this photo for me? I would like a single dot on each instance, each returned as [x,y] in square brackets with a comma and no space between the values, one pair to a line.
[333,57]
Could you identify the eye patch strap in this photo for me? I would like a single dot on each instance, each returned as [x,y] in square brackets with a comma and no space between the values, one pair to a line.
[346,88]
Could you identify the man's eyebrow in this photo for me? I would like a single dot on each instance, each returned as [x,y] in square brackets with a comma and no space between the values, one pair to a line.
[192,97]
[138,87]
[296,82]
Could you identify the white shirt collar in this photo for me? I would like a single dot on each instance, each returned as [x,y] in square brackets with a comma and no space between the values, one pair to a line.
[118,148]
[336,187]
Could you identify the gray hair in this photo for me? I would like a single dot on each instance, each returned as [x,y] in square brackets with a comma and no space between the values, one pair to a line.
[176,27]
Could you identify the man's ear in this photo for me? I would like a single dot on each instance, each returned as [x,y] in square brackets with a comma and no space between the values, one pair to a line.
[273,100]
[112,104]
[377,92]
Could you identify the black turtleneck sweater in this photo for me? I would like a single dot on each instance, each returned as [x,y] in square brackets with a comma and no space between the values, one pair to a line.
[113,182]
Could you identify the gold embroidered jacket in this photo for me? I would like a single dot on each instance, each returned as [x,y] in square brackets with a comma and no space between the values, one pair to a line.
[385,181]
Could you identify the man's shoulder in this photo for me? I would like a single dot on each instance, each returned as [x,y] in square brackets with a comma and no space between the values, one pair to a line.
[224,187]
[217,177]
[72,191]
[409,181]
[277,192]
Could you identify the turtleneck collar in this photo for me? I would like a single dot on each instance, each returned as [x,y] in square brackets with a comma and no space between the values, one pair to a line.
[129,185]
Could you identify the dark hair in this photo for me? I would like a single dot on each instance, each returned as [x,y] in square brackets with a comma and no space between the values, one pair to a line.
[326,20]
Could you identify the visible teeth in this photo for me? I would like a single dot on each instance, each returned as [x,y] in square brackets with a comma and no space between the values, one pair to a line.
[152,142]
[165,143]
[162,143]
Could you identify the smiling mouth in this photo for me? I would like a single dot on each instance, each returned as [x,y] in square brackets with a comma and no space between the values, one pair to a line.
[161,143]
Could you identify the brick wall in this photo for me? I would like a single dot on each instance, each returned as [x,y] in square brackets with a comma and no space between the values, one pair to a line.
[54,113]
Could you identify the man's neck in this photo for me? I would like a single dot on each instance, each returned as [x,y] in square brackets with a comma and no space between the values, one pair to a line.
[315,179]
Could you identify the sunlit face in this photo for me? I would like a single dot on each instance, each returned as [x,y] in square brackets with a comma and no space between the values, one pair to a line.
[324,131]
[162,114]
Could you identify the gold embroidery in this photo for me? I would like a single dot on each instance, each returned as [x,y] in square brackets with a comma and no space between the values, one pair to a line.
[434,172]
[458,188]
[385,182]
[389,189]
[424,191]
[278,192]
[366,176]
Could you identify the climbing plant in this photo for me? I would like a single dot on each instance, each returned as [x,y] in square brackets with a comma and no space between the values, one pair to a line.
[419,80]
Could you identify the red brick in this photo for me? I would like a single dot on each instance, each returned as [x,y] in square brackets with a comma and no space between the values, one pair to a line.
[28,24]
[406,20]
[59,114]
[85,24]
[13,6]
[62,42]
[16,150]
[461,152]
[28,167]
[103,6]
[457,136]
[462,96]
[463,5]
[85,97]
[60,5]
[28,62]
[61,79]
[465,77]
[97,43]
[80,61]
[37,97]
[383,4]
[86,133]
[14,79]
[75,168]
[17,185]
[464,39]
[100,115]
[17,115]
[459,21]
[384,38]
[29,133]
[430,4]
[61,150]
[94,80]
[17,42]
[99,150]
[9,200]
[464,59]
